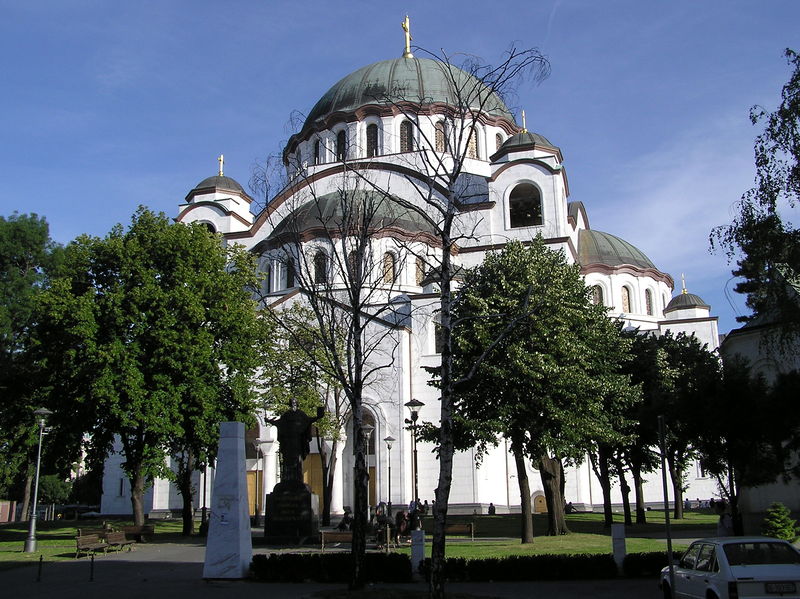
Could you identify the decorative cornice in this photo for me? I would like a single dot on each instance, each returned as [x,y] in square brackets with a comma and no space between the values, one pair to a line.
[215,205]
[628,269]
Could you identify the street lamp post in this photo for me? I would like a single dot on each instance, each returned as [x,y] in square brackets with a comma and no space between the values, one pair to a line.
[30,542]
[367,430]
[389,441]
[259,487]
[414,407]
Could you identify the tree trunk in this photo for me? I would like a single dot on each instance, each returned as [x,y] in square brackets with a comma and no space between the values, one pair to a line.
[328,473]
[736,516]
[137,495]
[625,490]
[552,473]
[361,501]
[184,482]
[600,467]
[638,490]
[676,476]
[526,529]
[26,497]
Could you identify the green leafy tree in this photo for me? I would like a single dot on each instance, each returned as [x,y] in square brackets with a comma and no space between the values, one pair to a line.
[54,489]
[766,244]
[27,254]
[535,360]
[150,334]
[778,523]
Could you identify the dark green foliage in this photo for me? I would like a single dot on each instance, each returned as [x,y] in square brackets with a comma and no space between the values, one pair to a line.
[53,489]
[582,566]
[646,565]
[330,567]
[767,245]
[778,523]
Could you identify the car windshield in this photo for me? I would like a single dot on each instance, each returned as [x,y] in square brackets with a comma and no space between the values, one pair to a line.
[746,554]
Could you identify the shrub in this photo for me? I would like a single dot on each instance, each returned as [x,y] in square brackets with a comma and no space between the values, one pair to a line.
[527,567]
[646,565]
[330,567]
[778,523]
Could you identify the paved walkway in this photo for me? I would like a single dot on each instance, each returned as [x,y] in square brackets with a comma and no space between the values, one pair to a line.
[174,571]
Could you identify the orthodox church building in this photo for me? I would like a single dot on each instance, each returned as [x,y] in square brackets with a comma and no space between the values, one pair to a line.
[518,190]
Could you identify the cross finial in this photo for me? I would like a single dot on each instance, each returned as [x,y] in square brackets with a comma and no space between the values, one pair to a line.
[221,160]
[407,29]
[524,124]
[683,283]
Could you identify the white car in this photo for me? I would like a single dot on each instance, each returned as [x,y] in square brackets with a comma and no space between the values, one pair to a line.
[733,567]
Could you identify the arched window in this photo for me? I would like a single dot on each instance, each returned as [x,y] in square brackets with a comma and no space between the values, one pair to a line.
[648,302]
[440,140]
[626,300]
[320,267]
[341,145]
[289,273]
[525,206]
[267,282]
[438,336]
[352,264]
[372,140]
[498,141]
[211,228]
[597,295]
[472,145]
[389,267]
[317,154]
[419,274]
[406,136]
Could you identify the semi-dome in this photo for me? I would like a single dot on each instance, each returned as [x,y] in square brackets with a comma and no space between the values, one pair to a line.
[685,301]
[219,182]
[327,213]
[525,139]
[413,79]
[597,247]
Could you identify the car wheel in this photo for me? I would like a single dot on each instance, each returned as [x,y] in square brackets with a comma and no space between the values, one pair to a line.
[667,592]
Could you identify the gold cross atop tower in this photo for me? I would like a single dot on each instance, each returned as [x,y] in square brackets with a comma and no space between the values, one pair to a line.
[407,28]
[221,161]
[683,283]
[524,124]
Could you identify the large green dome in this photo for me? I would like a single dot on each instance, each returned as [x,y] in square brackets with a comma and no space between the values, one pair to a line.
[417,80]
[597,247]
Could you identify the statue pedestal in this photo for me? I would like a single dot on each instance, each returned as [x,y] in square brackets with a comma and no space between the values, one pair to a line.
[292,514]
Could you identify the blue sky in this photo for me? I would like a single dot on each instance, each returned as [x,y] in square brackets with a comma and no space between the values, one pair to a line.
[108,105]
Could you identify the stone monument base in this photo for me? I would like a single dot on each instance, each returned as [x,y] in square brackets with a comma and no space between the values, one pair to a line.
[291,515]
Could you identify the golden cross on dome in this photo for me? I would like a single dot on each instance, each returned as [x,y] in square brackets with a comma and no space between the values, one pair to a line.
[683,283]
[221,161]
[524,124]
[407,28]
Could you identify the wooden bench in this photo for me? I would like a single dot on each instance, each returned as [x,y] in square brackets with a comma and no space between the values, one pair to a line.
[468,528]
[139,533]
[118,541]
[88,544]
[335,536]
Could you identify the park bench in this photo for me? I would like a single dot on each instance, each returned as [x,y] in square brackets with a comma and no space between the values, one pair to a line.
[139,533]
[118,541]
[467,528]
[335,536]
[88,544]
[100,532]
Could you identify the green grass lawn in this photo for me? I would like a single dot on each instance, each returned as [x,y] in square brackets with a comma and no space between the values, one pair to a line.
[55,540]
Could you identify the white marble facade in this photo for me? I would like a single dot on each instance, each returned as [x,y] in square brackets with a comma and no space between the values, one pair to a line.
[520,190]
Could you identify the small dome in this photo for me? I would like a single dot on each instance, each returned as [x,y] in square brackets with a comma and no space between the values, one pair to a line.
[525,139]
[219,182]
[327,212]
[596,247]
[419,80]
[685,301]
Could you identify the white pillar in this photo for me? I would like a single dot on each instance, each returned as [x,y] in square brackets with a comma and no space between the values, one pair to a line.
[337,492]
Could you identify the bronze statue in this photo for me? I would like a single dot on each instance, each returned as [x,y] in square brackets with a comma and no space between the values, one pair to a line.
[294,437]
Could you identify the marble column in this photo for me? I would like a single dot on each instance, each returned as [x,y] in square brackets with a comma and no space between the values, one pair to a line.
[337,491]
[229,547]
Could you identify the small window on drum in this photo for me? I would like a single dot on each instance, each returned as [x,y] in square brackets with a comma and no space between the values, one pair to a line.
[419,273]
[320,267]
[341,145]
[389,267]
[648,302]
[317,153]
[372,140]
[498,141]
[439,138]
[289,273]
[472,145]
[406,136]
[626,300]
[525,206]
[597,295]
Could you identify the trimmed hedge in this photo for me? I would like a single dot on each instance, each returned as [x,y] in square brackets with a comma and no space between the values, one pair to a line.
[646,565]
[527,567]
[329,567]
